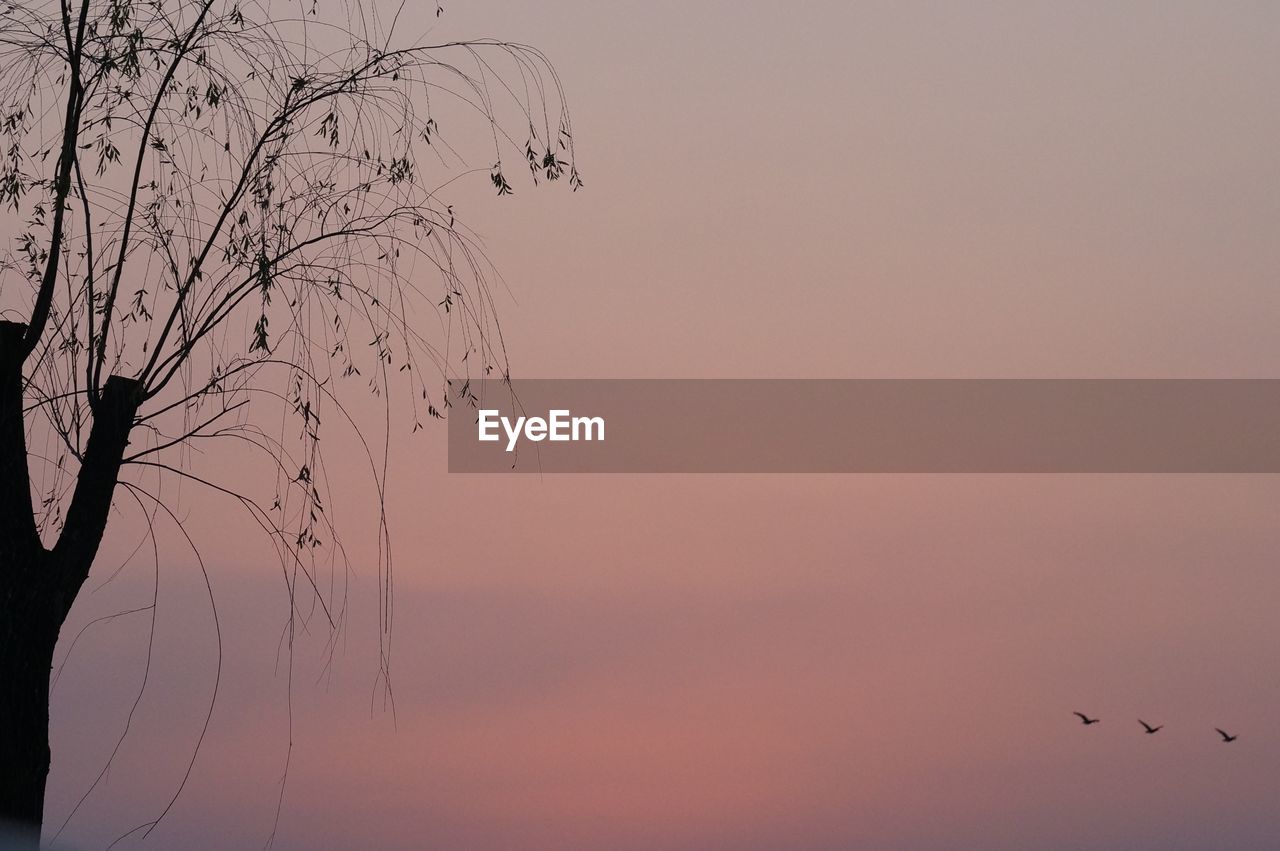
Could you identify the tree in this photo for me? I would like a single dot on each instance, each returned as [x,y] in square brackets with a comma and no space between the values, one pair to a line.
[226,205]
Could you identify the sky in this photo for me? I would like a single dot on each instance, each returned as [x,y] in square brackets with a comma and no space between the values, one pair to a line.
[755,662]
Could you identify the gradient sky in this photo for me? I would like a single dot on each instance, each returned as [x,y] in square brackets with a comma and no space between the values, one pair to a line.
[760,662]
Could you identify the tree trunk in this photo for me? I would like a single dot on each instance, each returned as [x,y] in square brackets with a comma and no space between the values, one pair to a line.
[38,585]
[28,634]
[28,631]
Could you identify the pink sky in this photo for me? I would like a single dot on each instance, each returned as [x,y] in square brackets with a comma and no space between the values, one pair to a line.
[875,190]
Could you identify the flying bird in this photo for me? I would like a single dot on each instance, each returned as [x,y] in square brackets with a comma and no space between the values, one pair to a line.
[1149,728]
[1226,737]
[1085,719]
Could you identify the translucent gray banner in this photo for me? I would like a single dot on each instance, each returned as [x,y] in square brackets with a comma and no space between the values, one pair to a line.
[865,426]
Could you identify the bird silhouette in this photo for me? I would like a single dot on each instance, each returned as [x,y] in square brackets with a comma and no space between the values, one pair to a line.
[1149,728]
[1226,737]
[1085,719]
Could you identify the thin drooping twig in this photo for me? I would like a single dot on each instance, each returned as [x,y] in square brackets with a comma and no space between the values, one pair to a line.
[133,491]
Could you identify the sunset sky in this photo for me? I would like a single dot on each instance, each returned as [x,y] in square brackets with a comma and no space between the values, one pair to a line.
[758,662]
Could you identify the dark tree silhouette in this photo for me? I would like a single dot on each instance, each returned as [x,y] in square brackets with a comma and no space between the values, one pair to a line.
[219,206]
